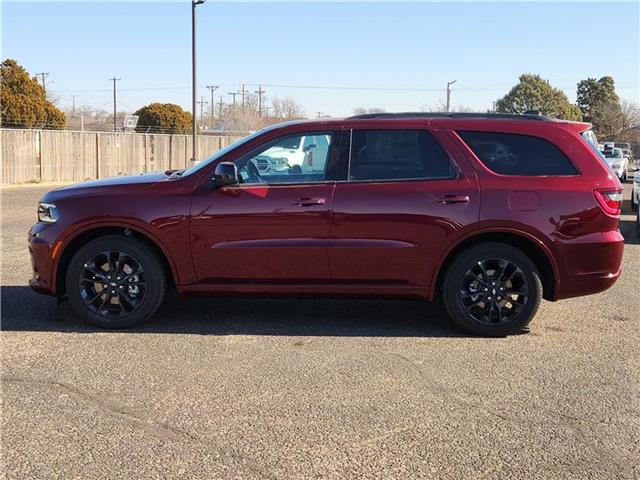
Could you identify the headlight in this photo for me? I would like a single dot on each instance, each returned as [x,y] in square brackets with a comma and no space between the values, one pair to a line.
[48,212]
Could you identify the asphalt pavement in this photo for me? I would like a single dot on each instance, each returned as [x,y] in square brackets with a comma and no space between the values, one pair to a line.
[283,388]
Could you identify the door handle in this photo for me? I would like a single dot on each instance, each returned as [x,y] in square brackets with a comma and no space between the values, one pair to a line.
[309,202]
[454,199]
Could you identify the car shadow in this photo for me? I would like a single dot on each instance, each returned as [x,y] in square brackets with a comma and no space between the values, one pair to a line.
[24,310]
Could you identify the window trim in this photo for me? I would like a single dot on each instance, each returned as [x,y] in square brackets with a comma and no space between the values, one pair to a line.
[505,175]
[457,175]
[335,135]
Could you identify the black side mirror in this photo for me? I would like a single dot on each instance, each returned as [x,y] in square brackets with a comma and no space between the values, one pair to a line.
[310,147]
[226,173]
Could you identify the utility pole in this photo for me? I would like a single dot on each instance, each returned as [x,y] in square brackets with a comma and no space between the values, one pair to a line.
[212,88]
[43,76]
[233,94]
[260,92]
[220,104]
[449,94]
[320,114]
[202,103]
[114,80]
[73,103]
[194,151]
[242,95]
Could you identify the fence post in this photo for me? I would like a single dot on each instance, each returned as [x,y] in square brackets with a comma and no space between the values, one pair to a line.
[40,155]
[97,155]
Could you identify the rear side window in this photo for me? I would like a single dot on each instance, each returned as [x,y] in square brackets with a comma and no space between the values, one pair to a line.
[512,154]
[397,155]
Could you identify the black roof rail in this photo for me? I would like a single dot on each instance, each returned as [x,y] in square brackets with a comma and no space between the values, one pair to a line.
[493,116]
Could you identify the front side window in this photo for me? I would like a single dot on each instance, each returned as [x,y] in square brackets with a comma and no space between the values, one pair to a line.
[397,155]
[297,158]
[513,154]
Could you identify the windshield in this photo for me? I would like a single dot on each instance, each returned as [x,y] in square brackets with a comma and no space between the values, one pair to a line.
[196,167]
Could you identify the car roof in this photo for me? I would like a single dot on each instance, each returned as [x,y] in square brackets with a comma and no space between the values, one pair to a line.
[452,120]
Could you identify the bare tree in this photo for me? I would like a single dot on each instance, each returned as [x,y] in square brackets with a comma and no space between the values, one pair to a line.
[630,124]
[442,107]
[286,108]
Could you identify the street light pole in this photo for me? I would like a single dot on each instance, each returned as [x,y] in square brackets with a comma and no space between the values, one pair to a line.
[449,94]
[194,3]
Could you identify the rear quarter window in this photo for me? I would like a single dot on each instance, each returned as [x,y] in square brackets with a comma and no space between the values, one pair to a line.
[514,154]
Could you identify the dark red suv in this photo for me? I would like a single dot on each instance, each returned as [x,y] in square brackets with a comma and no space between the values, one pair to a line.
[491,212]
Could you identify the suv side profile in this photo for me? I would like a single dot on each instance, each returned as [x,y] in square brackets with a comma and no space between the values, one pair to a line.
[489,212]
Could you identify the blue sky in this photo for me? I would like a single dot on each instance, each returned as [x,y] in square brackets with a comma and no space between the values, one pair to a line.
[395,56]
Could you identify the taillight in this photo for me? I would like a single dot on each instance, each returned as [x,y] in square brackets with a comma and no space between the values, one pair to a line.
[610,200]
[310,159]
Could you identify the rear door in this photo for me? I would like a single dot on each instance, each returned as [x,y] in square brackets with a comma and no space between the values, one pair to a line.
[405,200]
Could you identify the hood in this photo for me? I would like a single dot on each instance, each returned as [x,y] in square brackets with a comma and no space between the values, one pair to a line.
[91,186]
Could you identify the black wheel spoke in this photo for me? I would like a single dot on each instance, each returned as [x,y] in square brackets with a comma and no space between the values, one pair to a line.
[493,291]
[112,284]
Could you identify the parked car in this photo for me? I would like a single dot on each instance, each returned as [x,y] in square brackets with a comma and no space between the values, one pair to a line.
[489,212]
[635,193]
[618,162]
[626,149]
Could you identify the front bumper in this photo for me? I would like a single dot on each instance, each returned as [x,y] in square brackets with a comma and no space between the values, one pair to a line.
[42,241]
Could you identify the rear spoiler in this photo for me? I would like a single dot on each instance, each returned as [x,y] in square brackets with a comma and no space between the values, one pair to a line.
[579,127]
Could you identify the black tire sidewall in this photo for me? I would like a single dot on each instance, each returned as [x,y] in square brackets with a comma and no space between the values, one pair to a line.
[156,280]
[458,268]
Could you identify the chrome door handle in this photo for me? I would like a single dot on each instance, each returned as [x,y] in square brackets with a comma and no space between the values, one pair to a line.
[454,199]
[309,202]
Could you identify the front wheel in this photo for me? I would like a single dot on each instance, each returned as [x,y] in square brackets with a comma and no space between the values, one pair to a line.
[115,282]
[492,289]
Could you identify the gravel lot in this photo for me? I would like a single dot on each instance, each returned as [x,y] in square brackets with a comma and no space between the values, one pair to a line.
[239,388]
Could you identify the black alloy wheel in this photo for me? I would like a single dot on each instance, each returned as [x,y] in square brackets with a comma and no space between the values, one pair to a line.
[492,289]
[115,281]
[112,284]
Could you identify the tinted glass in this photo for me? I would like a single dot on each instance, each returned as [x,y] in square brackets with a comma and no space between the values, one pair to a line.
[300,158]
[511,154]
[396,155]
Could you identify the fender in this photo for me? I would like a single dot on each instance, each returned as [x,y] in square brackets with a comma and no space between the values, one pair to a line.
[133,224]
[515,230]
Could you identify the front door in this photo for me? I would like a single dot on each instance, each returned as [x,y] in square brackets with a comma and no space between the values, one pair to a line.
[275,224]
[404,202]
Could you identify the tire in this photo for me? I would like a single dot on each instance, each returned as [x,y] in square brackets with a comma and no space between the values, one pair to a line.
[634,205]
[472,304]
[119,305]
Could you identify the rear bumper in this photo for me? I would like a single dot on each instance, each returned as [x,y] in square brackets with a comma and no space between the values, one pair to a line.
[589,268]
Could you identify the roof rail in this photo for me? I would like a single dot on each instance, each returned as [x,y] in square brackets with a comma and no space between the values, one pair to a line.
[494,116]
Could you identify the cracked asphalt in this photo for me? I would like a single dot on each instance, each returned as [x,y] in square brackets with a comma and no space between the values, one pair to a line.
[258,388]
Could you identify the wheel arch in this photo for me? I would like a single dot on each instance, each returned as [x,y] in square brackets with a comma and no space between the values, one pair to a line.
[528,244]
[83,236]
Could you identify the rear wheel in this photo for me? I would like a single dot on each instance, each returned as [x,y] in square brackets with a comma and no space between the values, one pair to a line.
[115,282]
[492,289]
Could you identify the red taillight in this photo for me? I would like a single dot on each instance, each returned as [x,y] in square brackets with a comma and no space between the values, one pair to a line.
[610,200]
[310,159]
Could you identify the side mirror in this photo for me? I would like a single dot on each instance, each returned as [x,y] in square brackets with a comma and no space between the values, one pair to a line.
[226,173]
[310,147]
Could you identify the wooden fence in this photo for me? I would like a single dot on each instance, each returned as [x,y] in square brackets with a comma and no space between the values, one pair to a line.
[67,156]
